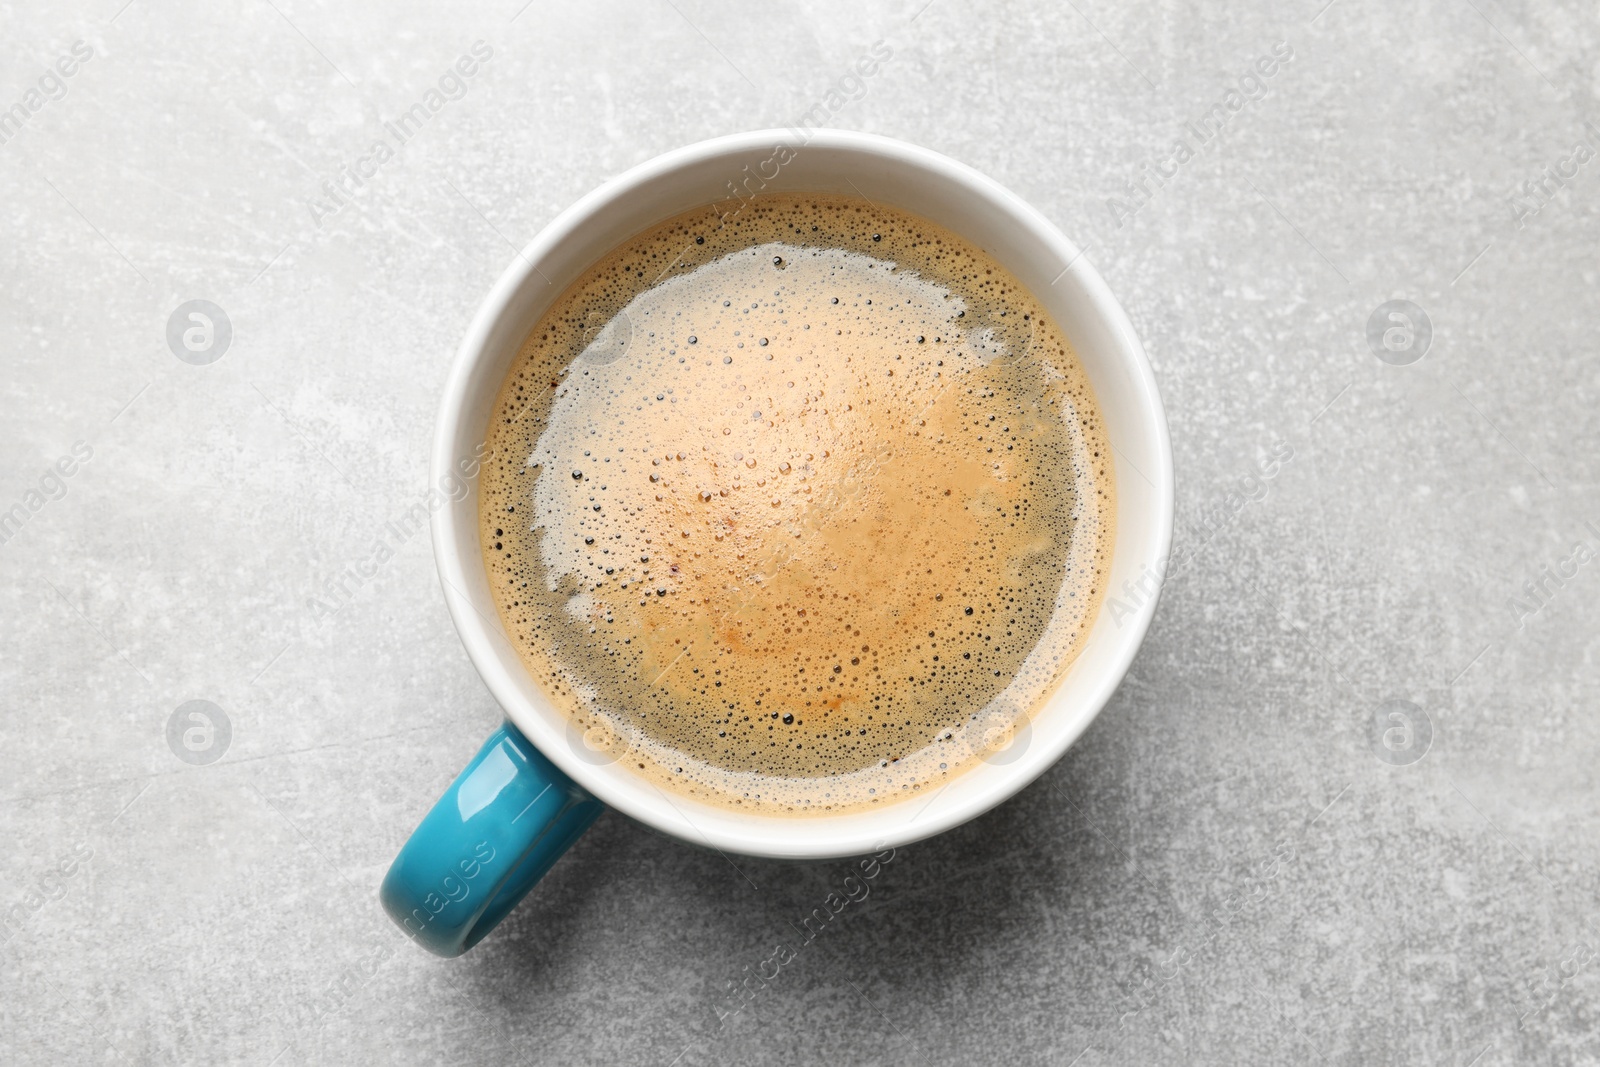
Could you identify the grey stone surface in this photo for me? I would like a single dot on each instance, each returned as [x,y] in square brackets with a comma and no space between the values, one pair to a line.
[1230,867]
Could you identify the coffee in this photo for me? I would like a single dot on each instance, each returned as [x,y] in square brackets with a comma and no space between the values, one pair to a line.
[800,510]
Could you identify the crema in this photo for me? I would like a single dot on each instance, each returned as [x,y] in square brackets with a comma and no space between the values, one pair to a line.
[800,510]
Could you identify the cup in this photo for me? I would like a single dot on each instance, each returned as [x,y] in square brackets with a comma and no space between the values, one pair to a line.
[537,784]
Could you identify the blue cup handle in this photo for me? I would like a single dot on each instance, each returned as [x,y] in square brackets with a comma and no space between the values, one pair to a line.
[500,826]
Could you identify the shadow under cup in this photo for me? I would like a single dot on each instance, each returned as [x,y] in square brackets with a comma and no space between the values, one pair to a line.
[537,752]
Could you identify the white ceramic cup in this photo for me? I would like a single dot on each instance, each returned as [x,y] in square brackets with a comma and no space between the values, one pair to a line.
[723,172]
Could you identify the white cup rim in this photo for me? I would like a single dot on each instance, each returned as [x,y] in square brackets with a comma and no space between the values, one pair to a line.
[460,565]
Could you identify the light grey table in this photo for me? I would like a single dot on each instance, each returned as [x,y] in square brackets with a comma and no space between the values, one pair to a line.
[1245,860]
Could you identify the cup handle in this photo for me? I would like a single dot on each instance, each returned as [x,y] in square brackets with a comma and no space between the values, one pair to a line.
[500,826]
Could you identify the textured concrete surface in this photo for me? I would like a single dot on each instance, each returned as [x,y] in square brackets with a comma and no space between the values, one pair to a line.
[1245,860]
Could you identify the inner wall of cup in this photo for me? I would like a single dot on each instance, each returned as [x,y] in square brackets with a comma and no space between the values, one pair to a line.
[989,217]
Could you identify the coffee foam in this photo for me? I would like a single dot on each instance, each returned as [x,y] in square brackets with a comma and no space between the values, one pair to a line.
[802,510]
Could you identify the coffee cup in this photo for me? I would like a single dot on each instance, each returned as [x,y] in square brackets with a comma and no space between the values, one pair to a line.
[538,783]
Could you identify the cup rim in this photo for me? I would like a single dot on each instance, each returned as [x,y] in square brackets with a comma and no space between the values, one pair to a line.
[753,833]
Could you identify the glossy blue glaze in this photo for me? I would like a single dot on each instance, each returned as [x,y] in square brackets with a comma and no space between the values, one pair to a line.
[498,828]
